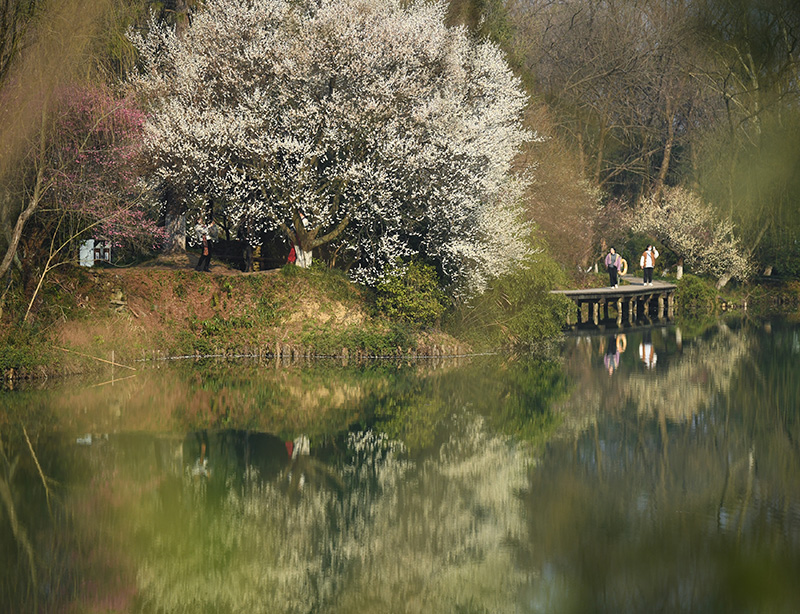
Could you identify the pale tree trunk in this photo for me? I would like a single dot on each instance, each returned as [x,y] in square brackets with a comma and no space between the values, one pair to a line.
[305,239]
[39,188]
[16,235]
[175,226]
[679,269]
[723,281]
[304,257]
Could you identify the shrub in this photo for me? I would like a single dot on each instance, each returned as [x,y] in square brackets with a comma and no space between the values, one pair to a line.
[695,297]
[518,309]
[410,293]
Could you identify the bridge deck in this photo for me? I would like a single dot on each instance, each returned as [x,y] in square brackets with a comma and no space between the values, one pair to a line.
[632,301]
[634,288]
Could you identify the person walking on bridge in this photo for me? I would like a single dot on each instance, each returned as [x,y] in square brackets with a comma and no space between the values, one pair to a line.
[648,263]
[613,262]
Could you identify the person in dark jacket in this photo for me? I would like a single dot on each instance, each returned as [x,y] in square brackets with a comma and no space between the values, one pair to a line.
[612,262]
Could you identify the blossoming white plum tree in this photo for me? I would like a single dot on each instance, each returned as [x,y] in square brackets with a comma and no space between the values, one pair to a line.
[392,133]
[686,225]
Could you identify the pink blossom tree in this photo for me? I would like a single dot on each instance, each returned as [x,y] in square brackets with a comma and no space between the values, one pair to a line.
[94,167]
[83,166]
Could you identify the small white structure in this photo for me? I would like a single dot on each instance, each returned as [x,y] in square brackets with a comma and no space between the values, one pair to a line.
[94,250]
[86,254]
[102,250]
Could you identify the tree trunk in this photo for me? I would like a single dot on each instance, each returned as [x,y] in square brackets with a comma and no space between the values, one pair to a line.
[16,235]
[182,16]
[723,281]
[33,203]
[174,223]
[598,169]
[679,273]
[665,161]
[303,257]
[247,255]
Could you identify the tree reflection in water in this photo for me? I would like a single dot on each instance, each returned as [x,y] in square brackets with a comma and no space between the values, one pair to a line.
[677,489]
[501,485]
[374,531]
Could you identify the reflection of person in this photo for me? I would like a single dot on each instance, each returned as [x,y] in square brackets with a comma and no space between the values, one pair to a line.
[648,262]
[201,468]
[614,347]
[647,353]
[613,262]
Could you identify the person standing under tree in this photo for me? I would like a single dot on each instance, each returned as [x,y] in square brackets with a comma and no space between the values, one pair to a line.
[648,263]
[200,236]
[206,235]
[612,262]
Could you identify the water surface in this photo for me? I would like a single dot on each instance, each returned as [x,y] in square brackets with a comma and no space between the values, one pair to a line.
[657,471]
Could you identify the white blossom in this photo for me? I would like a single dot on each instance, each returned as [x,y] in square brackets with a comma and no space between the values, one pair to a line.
[369,113]
[684,223]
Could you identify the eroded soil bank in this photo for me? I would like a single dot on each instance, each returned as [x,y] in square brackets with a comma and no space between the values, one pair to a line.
[166,309]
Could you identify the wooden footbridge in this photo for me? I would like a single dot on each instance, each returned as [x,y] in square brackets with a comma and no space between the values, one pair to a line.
[632,302]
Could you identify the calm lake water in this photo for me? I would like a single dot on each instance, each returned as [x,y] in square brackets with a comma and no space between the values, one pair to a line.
[655,472]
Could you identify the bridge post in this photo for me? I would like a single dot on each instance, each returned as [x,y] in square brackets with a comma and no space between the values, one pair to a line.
[660,307]
[595,313]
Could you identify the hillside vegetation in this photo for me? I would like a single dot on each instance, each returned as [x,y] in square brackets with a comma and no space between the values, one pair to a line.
[165,309]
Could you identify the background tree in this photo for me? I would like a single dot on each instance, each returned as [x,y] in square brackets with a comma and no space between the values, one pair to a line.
[15,18]
[746,158]
[559,200]
[27,107]
[93,188]
[687,226]
[392,133]
[619,76]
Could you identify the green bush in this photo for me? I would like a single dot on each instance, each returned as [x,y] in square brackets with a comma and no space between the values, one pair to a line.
[25,349]
[695,297]
[377,342]
[517,310]
[410,293]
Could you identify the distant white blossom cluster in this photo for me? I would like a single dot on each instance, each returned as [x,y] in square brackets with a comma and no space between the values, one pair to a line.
[686,224]
[393,133]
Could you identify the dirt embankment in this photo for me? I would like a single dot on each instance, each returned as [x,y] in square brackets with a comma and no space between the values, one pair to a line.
[165,308]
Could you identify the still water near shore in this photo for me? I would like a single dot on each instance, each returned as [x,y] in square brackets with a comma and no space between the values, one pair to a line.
[655,471]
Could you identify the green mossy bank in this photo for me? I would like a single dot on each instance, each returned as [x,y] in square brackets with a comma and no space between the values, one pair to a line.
[83,319]
[165,309]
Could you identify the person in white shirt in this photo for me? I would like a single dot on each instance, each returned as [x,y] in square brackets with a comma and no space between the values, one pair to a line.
[202,235]
[648,263]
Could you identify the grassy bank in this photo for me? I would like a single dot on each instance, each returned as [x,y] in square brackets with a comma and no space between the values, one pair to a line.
[166,309]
